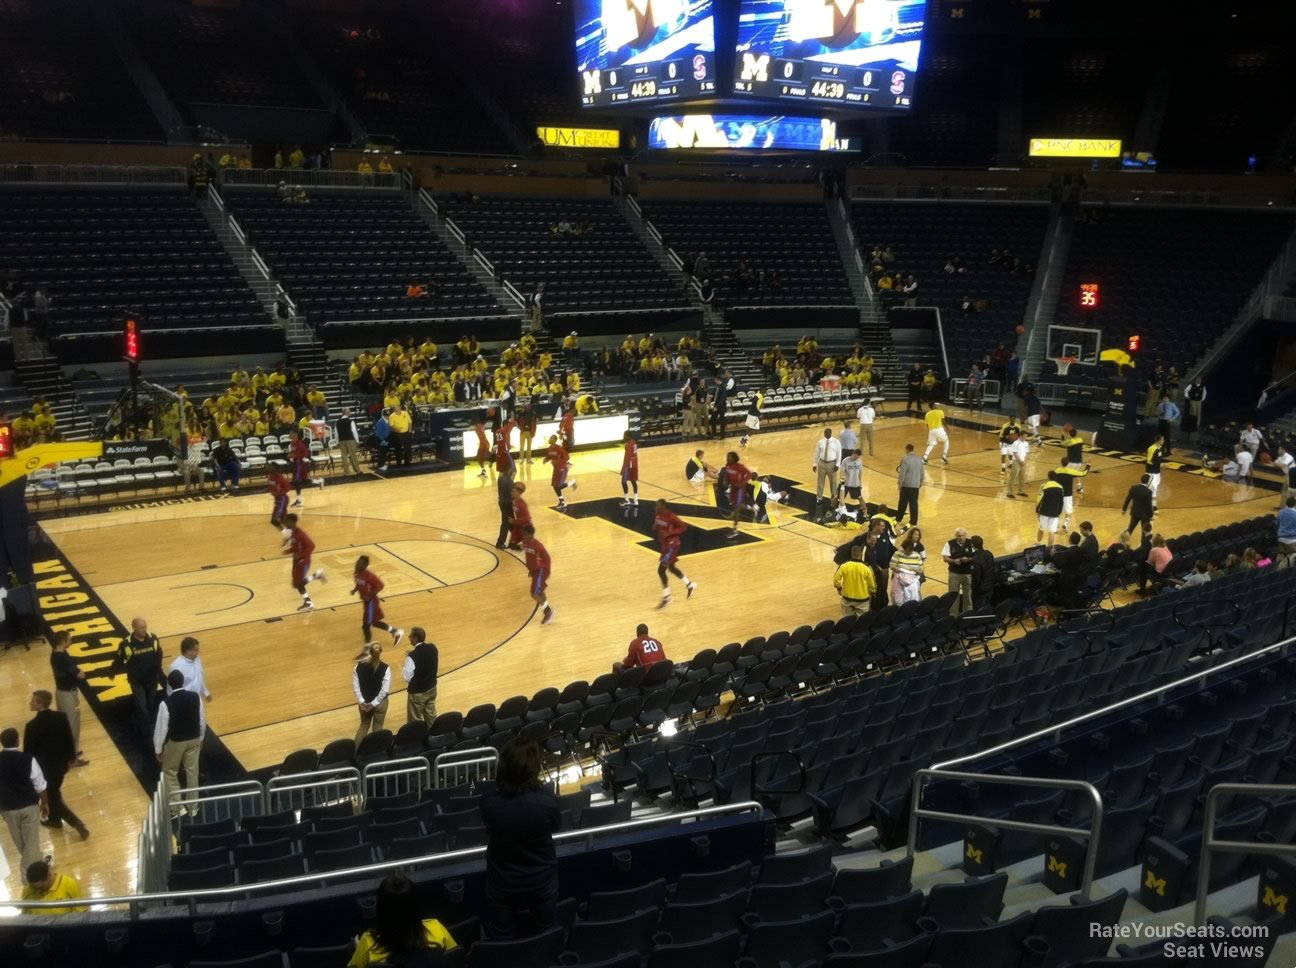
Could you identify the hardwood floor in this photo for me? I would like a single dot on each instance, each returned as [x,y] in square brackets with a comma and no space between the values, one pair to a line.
[281,680]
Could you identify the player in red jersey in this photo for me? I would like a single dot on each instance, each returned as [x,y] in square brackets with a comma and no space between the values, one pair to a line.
[279,487]
[299,454]
[567,425]
[556,454]
[298,543]
[630,472]
[520,517]
[644,651]
[735,477]
[483,447]
[367,586]
[539,568]
[503,459]
[669,527]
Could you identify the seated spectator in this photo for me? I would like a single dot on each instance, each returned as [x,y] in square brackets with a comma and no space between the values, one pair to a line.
[1252,559]
[1158,560]
[1200,574]
[364,167]
[399,935]
[888,256]
[226,463]
[416,290]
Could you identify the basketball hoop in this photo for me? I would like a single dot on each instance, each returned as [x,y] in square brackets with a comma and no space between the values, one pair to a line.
[1063,364]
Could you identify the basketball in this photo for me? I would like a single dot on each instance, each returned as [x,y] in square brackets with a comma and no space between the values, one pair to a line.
[1021,330]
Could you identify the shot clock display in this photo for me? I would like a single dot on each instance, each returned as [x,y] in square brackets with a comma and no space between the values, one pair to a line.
[854,53]
[644,51]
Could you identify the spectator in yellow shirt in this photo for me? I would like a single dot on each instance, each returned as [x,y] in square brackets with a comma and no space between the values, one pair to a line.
[586,404]
[44,884]
[296,157]
[399,934]
[318,402]
[573,382]
[645,344]
[571,342]
[364,167]
[385,165]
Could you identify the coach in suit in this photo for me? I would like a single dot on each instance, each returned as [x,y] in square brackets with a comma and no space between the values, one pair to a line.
[1138,501]
[48,738]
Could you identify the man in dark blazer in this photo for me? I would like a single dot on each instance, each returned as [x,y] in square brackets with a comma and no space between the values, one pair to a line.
[48,739]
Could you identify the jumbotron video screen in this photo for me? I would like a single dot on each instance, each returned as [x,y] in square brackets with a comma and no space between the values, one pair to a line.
[851,53]
[631,52]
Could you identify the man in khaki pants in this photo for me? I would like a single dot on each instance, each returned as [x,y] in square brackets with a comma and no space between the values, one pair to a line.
[178,736]
[24,802]
[1018,451]
[420,671]
[67,692]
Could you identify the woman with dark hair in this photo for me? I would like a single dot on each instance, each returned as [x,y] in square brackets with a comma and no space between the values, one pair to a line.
[521,817]
[399,936]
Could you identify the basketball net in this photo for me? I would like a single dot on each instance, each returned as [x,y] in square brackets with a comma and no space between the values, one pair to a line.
[1064,364]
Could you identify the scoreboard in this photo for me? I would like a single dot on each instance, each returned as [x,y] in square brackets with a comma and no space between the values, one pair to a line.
[644,51]
[852,53]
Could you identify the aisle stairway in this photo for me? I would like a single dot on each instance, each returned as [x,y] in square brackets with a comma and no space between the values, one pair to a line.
[43,377]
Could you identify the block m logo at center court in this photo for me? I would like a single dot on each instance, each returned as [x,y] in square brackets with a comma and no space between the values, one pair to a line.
[639,523]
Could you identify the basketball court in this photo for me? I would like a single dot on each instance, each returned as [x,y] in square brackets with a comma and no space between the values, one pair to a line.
[281,680]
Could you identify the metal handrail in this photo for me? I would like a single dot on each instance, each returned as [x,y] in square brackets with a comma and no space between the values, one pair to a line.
[310,178]
[1208,842]
[411,320]
[1208,623]
[193,898]
[425,197]
[513,293]
[214,196]
[484,262]
[456,231]
[1095,828]
[1107,710]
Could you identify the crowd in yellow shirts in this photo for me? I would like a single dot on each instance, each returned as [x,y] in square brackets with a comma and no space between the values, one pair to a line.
[412,374]
[807,365]
[35,426]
